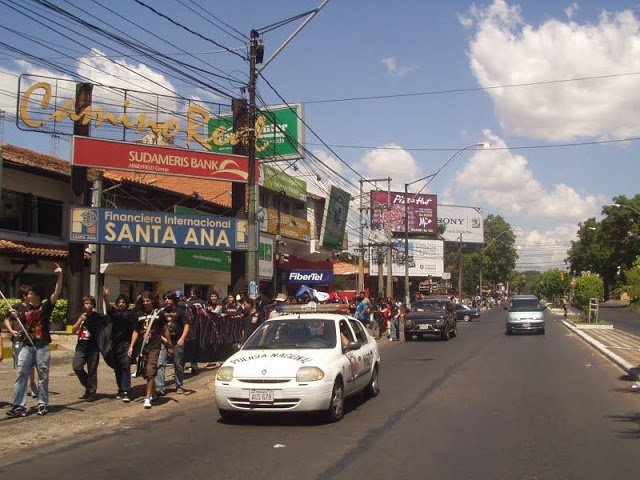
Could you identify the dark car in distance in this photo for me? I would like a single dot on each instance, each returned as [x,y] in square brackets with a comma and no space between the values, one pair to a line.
[466,313]
[431,316]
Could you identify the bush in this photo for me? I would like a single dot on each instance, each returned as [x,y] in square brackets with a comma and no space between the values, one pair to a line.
[588,287]
[59,314]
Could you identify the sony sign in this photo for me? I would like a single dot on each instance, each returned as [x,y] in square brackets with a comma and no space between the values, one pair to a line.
[462,223]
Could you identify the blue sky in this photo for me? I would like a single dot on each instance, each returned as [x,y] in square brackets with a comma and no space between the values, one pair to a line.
[440,65]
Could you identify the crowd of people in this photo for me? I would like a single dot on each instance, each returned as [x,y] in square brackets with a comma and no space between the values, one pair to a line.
[140,340]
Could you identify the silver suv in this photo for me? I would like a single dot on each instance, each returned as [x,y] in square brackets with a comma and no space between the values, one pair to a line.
[525,313]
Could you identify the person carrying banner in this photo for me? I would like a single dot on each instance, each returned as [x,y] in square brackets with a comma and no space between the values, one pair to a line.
[34,322]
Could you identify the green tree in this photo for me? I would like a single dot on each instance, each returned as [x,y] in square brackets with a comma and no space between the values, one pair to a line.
[588,287]
[498,256]
[551,284]
[632,284]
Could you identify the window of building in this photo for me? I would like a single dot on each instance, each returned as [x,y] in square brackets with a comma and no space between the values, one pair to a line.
[25,212]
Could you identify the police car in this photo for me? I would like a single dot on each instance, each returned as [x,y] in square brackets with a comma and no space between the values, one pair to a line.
[300,361]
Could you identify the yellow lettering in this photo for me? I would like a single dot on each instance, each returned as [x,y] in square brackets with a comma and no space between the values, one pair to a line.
[191,237]
[44,103]
[197,117]
[125,233]
[169,236]
[111,234]
[223,239]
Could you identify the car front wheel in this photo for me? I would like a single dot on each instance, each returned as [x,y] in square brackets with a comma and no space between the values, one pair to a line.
[373,388]
[467,318]
[335,412]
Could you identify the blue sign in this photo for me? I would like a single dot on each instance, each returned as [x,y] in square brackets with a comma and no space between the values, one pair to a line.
[324,277]
[157,229]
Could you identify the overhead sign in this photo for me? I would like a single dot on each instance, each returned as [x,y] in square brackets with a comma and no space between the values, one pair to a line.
[462,223]
[279,133]
[142,158]
[279,181]
[48,105]
[311,277]
[426,258]
[278,223]
[265,257]
[205,259]
[422,210]
[334,221]
[157,229]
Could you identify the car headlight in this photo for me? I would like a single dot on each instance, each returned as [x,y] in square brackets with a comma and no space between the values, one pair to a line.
[225,374]
[309,374]
[408,322]
[440,320]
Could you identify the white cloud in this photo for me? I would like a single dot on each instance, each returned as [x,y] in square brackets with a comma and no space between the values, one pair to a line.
[571,10]
[504,50]
[396,70]
[502,181]
[392,161]
[544,249]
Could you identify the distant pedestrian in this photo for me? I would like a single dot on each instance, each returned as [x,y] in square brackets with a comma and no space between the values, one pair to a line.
[35,351]
[195,303]
[123,322]
[87,326]
[251,319]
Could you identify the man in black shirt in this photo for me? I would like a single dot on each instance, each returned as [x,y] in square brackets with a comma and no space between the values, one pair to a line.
[87,352]
[178,323]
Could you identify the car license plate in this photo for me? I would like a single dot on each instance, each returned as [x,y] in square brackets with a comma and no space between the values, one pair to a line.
[425,327]
[261,396]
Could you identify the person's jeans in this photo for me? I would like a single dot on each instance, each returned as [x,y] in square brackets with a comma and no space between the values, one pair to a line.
[88,378]
[122,368]
[178,364]
[28,358]
[395,328]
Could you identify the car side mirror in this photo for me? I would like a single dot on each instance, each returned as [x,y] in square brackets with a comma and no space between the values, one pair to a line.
[351,346]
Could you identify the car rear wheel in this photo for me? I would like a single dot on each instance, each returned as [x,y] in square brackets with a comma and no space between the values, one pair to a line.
[335,412]
[467,317]
[373,388]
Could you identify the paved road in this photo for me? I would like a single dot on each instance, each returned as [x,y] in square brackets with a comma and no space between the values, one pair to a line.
[619,315]
[482,406]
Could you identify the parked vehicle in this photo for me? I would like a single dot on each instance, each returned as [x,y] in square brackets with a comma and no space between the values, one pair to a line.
[431,316]
[466,313]
[525,313]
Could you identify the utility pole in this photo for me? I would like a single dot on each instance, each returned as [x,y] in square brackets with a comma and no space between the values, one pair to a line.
[361,245]
[460,269]
[389,292]
[239,195]
[80,189]
[255,56]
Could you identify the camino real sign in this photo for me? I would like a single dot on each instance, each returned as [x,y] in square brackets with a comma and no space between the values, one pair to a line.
[422,210]
[335,218]
[465,221]
[138,157]
[157,229]
[279,133]
[278,181]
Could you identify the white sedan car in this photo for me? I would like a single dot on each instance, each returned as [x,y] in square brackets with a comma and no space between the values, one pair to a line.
[299,362]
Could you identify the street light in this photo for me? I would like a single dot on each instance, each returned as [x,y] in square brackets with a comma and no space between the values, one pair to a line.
[406,211]
[485,248]
[622,205]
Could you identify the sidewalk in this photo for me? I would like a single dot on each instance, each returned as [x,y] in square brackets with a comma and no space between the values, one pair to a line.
[620,347]
[71,419]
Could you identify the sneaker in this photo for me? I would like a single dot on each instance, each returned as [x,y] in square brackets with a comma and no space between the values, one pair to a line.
[636,387]
[125,397]
[180,391]
[119,395]
[91,397]
[17,411]
[42,410]
[147,403]
[84,396]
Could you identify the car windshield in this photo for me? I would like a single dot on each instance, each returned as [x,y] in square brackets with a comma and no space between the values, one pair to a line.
[429,306]
[293,334]
[524,305]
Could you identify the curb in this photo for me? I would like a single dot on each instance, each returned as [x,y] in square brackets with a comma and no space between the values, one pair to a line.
[620,362]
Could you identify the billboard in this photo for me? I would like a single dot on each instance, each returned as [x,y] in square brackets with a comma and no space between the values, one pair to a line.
[465,221]
[143,158]
[156,229]
[275,223]
[279,133]
[278,181]
[422,211]
[334,221]
[426,258]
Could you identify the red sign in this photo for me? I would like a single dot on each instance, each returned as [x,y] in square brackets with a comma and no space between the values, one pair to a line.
[139,157]
[422,209]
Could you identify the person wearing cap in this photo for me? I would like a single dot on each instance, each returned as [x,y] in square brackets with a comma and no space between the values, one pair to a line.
[178,323]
